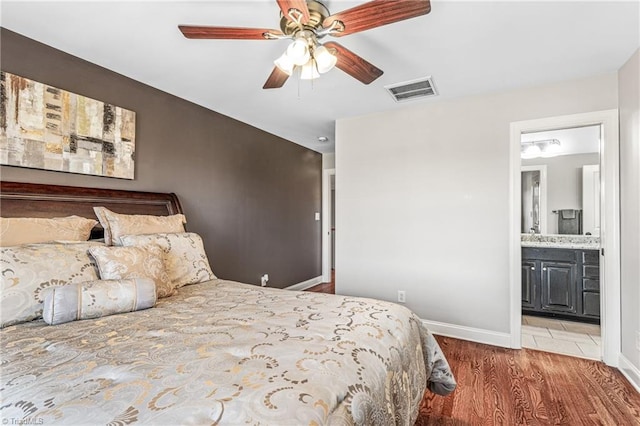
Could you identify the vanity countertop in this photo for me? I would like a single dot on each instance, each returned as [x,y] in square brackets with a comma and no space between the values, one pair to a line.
[583,242]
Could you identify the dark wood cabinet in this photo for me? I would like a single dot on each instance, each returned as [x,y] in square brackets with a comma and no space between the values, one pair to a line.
[561,282]
[590,284]
[528,276]
[558,287]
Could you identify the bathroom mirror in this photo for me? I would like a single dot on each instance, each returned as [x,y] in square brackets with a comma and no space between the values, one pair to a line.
[560,189]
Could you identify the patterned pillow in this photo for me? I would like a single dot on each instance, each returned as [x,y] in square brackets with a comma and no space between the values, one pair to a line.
[116,225]
[185,258]
[29,230]
[117,263]
[29,269]
[95,299]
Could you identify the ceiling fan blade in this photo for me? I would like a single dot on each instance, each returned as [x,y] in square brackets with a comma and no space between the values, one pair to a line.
[353,64]
[190,31]
[300,5]
[276,79]
[377,13]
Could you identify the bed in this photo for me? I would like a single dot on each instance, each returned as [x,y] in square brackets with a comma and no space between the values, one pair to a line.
[217,352]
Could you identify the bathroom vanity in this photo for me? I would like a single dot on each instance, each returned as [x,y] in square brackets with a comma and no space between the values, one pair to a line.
[561,276]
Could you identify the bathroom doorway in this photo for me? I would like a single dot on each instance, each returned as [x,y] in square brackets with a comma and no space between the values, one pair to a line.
[560,308]
[560,280]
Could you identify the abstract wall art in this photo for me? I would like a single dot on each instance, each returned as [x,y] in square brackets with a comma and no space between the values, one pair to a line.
[44,127]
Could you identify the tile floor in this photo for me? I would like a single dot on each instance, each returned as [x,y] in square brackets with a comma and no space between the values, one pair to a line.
[561,336]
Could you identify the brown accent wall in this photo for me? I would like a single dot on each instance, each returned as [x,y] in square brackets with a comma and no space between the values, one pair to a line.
[251,195]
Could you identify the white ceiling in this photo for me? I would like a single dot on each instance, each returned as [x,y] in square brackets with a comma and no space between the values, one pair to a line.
[578,140]
[467,47]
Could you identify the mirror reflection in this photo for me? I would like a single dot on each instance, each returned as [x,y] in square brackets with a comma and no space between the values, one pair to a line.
[561,181]
[531,201]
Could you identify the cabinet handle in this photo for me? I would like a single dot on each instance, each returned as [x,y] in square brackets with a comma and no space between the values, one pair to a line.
[533,268]
[544,269]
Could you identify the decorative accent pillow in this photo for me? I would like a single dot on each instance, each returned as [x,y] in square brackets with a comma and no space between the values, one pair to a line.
[16,231]
[95,299]
[29,269]
[184,255]
[116,225]
[117,263]
[104,222]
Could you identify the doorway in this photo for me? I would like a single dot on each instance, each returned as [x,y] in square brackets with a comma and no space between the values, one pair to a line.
[328,225]
[609,301]
[560,269]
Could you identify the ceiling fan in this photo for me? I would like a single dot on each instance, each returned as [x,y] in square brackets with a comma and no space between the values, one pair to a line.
[308,21]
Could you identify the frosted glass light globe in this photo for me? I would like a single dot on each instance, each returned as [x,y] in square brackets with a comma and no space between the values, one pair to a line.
[298,52]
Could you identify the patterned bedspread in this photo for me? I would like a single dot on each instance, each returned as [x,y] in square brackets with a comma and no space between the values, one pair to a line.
[221,352]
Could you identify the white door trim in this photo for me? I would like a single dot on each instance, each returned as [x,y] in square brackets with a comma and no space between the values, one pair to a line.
[610,223]
[543,193]
[326,224]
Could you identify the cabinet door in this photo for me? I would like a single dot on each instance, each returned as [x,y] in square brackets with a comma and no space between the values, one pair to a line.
[591,304]
[528,284]
[559,287]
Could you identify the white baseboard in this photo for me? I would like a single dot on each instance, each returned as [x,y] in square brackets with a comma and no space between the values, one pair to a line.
[630,371]
[478,335]
[305,284]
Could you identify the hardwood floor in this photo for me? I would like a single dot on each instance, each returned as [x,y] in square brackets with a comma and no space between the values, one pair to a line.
[498,386]
[326,287]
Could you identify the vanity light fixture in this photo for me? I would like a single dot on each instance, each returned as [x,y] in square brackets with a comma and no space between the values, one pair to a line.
[541,148]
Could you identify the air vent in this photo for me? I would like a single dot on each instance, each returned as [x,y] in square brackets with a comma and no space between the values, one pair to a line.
[413,89]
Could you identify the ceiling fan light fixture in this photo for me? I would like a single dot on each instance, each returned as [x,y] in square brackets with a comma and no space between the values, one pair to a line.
[285,64]
[298,52]
[307,21]
[324,59]
[309,71]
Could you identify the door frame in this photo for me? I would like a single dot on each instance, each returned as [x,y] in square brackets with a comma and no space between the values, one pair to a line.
[609,222]
[542,168]
[326,224]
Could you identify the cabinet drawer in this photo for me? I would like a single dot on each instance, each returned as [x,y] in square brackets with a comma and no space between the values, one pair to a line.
[591,271]
[591,257]
[551,254]
[590,284]
[591,304]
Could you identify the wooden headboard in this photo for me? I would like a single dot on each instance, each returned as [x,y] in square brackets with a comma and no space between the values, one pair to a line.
[41,200]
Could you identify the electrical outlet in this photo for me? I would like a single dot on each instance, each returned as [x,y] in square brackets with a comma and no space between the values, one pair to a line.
[402,296]
[264,279]
[638,340]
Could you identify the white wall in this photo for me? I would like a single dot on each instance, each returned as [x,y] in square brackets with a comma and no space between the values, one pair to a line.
[629,95]
[329,161]
[423,204]
[564,183]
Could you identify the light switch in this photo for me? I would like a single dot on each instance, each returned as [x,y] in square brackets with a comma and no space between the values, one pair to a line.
[317,216]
